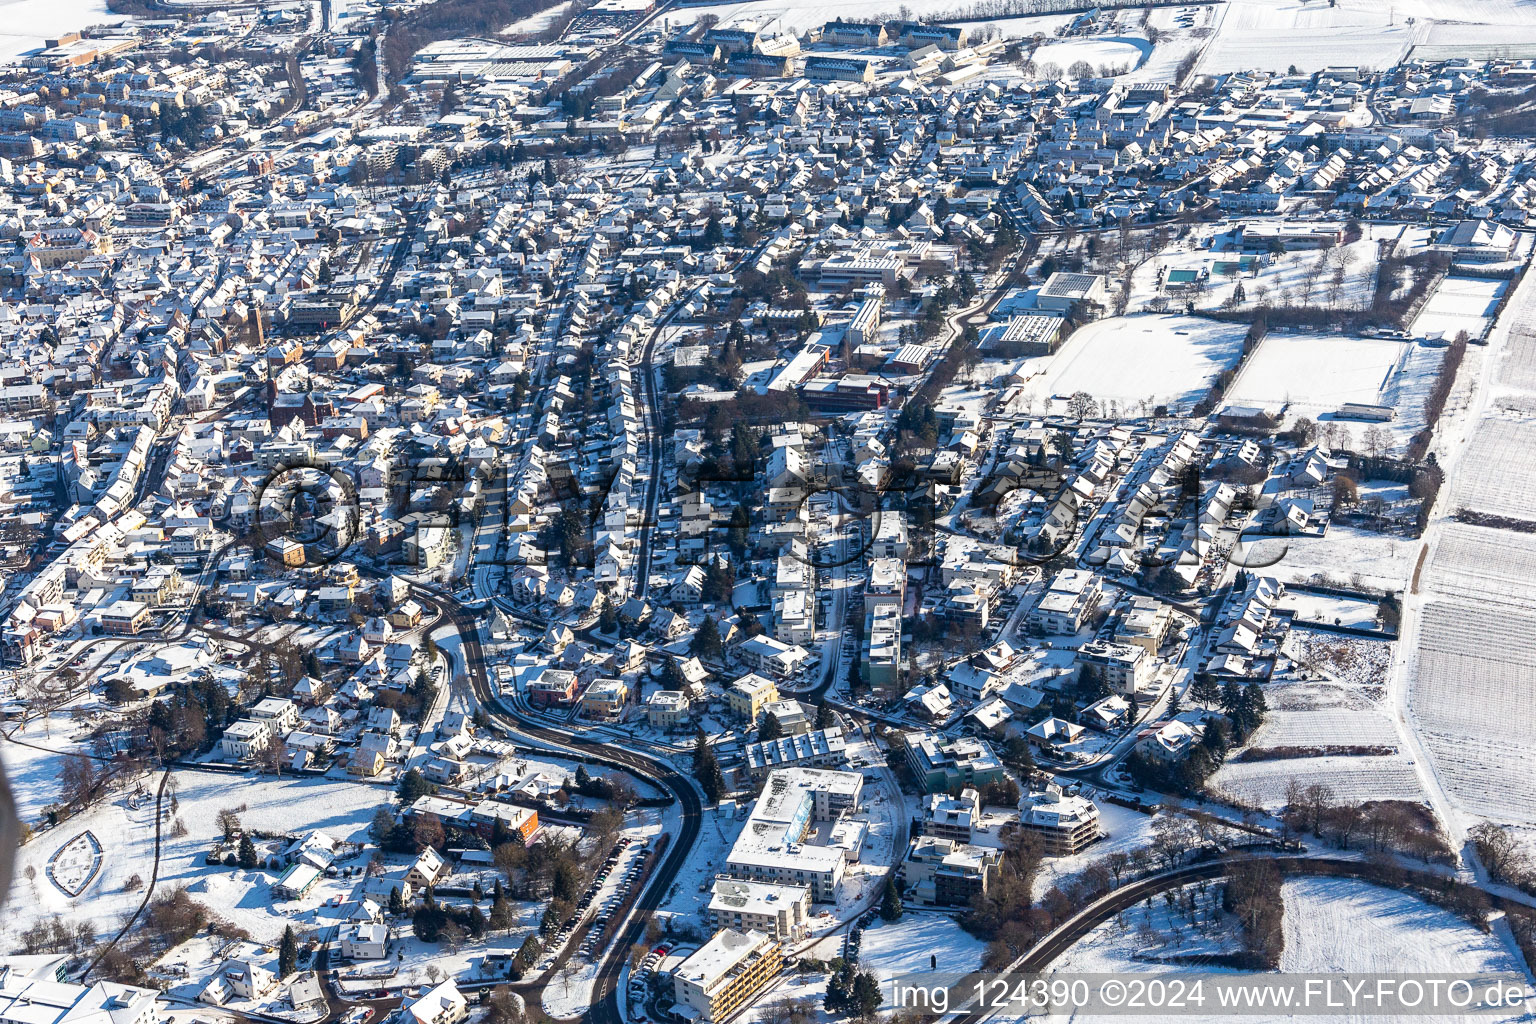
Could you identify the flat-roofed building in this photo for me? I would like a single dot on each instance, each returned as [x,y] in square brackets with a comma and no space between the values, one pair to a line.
[783,911]
[1072,597]
[605,700]
[1063,290]
[952,817]
[1127,668]
[725,973]
[940,872]
[777,844]
[881,664]
[940,764]
[1065,824]
[1032,334]
[865,326]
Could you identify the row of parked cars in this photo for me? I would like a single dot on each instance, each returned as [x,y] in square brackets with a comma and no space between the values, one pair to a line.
[616,899]
[586,900]
[640,980]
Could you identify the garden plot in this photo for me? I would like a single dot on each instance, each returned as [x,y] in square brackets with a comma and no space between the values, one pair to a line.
[1352,779]
[1473,697]
[1330,672]
[1358,661]
[1330,728]
[1460,304]
[75,864]
[1326,608]
[1314,375]
[1167,360]
[1498,472]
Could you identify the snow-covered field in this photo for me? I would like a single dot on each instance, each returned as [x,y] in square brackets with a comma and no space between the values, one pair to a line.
[1331,926]
[1352,779]
[1272,35]
[1116,52]
[896,947]
[1170,359]
[789,17]
[341,809]
[1313,375]
[1460,304]
[1341,925]
[1379,560]
[33,755]
[536,22]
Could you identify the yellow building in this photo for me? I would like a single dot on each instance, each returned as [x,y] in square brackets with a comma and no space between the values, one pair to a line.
[605,700]
[748,694]
[726,972]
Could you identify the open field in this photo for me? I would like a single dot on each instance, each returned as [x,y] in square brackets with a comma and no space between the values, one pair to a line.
[1273,35]
[1313,375]
[1460,304]
[1171,360]
[26,23]
[1119,52]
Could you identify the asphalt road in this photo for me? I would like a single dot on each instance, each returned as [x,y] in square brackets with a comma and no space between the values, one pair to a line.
[605,1002]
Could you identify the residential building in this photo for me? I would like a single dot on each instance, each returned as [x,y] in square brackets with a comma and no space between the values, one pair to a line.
[725,973]
[783,911]
[782,841]
[748,695]
[820,748]
[1065,824]
[668,709]
[940,764]
[940,872]
[1125,668]
[1072,597]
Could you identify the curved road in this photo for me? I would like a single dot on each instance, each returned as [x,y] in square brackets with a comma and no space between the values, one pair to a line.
[1068,933]
[605,995]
